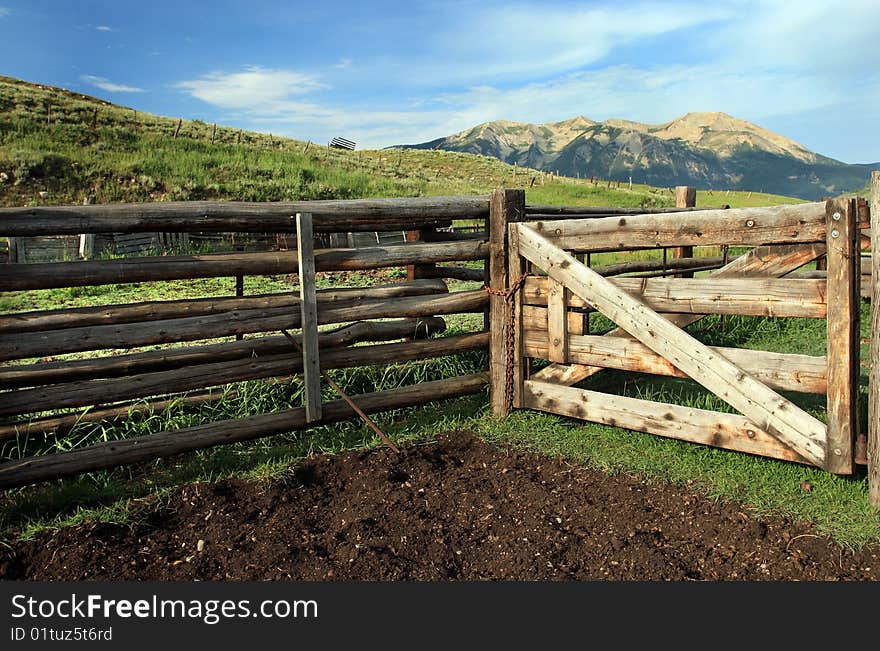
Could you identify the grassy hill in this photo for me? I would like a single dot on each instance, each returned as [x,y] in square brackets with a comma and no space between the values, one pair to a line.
[67,145]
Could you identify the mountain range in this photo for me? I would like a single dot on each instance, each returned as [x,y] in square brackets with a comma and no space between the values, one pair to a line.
[706,150]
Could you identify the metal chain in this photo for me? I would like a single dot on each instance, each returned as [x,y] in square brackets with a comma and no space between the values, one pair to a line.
[509,295]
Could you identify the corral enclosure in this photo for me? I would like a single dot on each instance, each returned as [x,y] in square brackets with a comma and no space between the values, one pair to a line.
[545,292]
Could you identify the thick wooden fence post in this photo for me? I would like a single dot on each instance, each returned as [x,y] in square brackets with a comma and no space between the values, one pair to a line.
[685,197]
[309,314]
[505,207]
[874,387]
[843,286]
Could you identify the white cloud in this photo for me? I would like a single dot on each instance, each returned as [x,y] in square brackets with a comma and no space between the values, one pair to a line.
[258,89]
[527,41]
[104,28]
[780,64]
[4,11]
[105,84]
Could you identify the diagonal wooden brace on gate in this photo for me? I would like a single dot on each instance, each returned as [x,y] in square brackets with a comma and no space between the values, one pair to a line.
[763,261]
[759,403]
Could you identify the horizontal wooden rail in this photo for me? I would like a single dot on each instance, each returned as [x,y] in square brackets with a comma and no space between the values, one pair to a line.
[747,296]
[219,216]
[729,431]
[132,270]
[602,211]
[157,310]
[163,444]
[132,335]
[201,376]
[736,227]
[671,264]
[782,371]
[30,375]
[456,273]
[60,425]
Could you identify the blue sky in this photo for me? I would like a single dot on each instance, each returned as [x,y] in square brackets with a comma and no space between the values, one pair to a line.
[385,73]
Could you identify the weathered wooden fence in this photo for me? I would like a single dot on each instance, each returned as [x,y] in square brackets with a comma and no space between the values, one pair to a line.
[542,289]
[400,319]
[542,286]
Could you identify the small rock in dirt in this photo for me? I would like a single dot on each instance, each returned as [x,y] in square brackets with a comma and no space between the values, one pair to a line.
[200,546]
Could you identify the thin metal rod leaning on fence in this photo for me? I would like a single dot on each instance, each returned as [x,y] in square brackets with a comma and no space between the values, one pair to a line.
[348,400]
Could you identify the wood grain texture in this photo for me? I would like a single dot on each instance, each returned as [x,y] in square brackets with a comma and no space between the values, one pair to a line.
[557,321]
[308,306]
[843,278]
[747,296]
[201,376]
[736,227]
[91,368]
[157,310]
[49,275]
[133,335]
[762,405]
[333,216]
[505,206]
[517,268]
[685,197]
[728,431]
[781,371]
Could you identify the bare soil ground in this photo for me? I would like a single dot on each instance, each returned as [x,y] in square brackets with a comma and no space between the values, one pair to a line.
[456,509]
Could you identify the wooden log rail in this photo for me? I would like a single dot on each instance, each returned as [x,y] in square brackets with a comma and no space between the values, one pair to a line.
[781,371]
[61,425]
[734,227]
[163,444]
[706,263]
[131,335]
[746,296]
[533,212]
[220,216]
[130,365]
[15,277]
[157,310]
[729,431]
[200,376]
[29,375]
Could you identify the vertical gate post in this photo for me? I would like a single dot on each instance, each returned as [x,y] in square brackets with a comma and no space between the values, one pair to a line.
[305,240]
[505,207]
[843,288]
[874,387]
[685,197]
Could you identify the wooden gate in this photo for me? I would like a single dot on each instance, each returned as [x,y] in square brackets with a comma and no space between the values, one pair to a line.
[540,297]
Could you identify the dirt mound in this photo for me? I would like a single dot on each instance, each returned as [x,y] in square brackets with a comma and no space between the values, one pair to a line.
[455,509]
